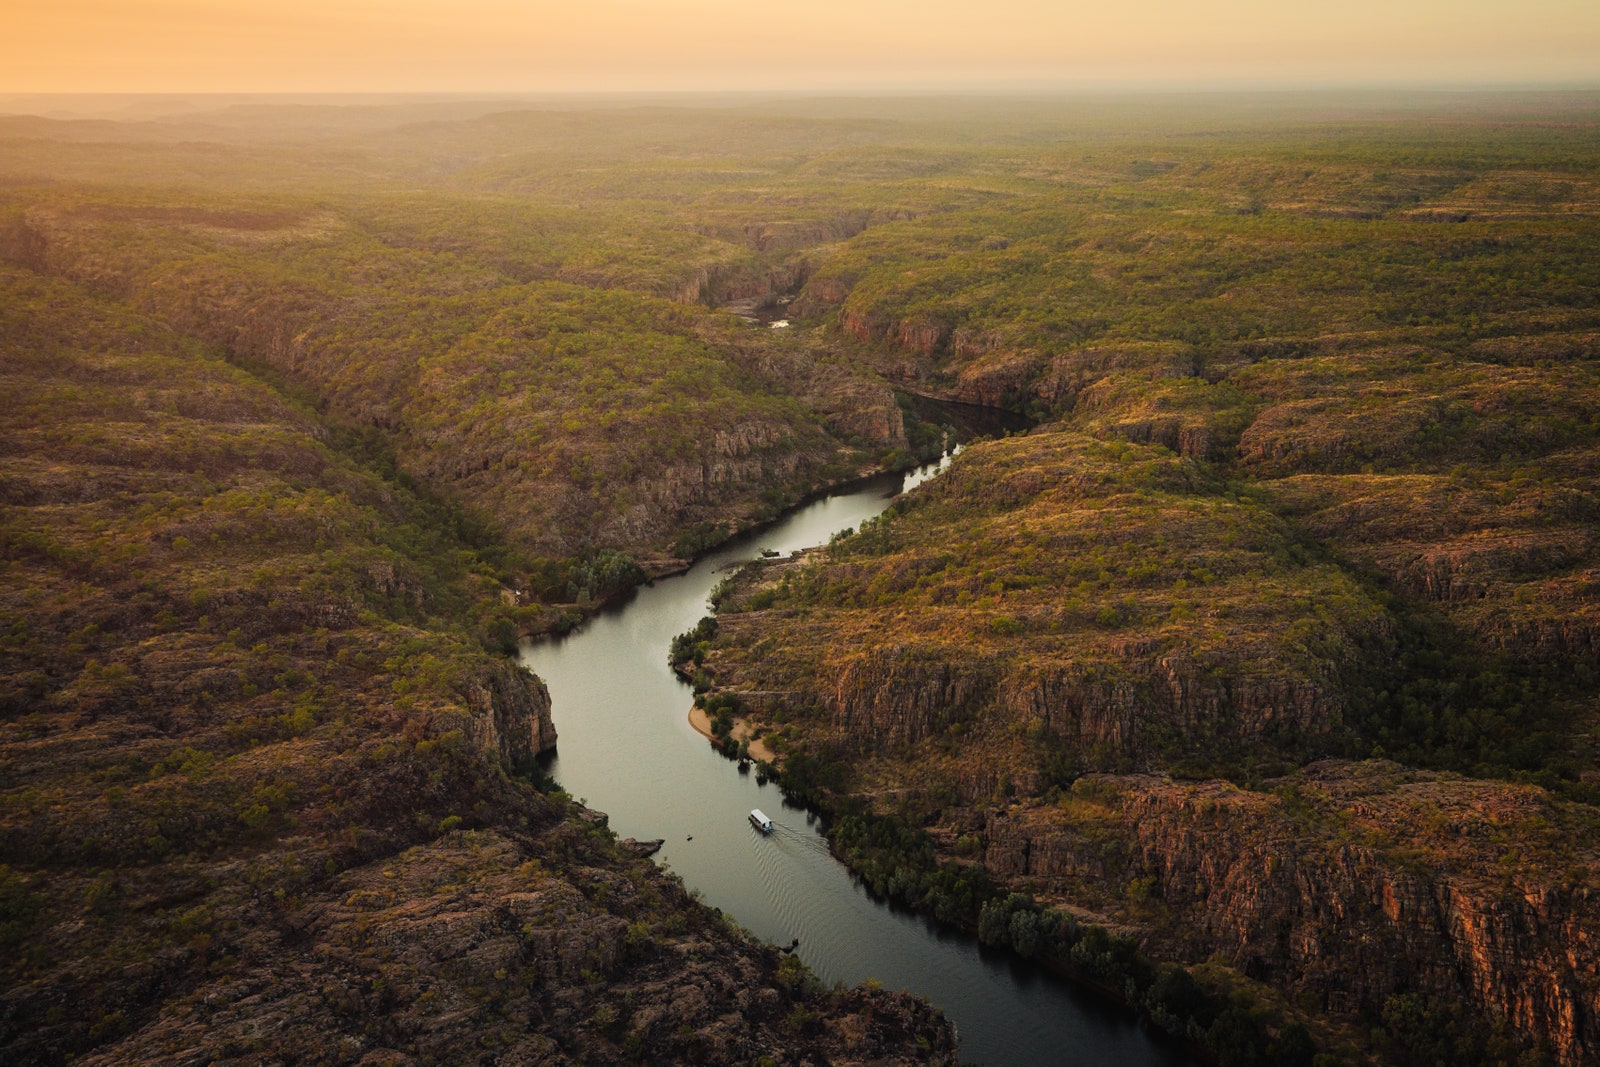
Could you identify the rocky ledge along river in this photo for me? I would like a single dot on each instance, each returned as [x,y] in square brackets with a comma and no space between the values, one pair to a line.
[627,749]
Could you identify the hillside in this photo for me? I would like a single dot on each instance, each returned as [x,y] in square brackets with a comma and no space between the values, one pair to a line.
[1314,491]
[517,396]
[264,783]
[1255,683]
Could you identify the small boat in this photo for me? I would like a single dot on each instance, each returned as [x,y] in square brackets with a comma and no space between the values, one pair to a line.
[759,820]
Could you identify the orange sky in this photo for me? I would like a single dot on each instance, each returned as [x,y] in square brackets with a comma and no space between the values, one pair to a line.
[510,45]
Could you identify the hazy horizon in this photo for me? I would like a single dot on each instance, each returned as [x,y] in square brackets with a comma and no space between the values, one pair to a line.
[477,47]
[174,114]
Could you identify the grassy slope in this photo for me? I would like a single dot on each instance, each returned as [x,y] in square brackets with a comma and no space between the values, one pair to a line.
[514,398]
[1317,478]
[257,794]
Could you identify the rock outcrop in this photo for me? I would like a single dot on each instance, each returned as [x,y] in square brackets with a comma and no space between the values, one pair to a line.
[468,942]
[510,714]
[1349,883]
[947,660]
[744,416]
[262,778]
[903,695]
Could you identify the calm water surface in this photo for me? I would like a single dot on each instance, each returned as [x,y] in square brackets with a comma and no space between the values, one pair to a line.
[626,748]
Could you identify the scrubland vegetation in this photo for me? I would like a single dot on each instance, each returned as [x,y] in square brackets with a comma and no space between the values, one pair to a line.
[285,475]
[1255,684]
[1315,477]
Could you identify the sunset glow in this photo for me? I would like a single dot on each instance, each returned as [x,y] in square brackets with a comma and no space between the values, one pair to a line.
[503,45]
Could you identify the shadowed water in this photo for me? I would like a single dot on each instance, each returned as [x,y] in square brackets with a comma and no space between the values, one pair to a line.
[626,748]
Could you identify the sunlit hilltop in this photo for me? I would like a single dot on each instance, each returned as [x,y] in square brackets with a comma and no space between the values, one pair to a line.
[1117,483]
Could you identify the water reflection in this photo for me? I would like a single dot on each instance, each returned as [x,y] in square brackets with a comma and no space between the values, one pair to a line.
[627,749]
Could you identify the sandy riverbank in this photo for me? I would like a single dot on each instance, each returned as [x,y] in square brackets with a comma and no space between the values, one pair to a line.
[741,732]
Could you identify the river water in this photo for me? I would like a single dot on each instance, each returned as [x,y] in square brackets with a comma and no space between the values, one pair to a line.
[626,748]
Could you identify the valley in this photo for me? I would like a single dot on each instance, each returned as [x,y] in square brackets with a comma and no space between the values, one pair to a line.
[1241,665]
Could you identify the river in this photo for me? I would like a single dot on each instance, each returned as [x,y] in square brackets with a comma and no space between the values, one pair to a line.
[626,748]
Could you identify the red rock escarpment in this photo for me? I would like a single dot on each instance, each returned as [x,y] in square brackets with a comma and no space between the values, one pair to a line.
[1367,881]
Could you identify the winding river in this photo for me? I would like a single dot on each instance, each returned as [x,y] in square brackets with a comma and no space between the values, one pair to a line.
[627,749]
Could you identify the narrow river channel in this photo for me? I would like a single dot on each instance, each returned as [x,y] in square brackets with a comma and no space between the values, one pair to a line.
[626,748]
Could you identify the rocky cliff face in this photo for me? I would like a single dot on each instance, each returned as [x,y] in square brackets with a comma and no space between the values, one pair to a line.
[470,943]
[1350,883]
[951,671]
[903,695]
[700,437]
[1089,705]
[717,286]
[259,776]
[920,337]
[510,713]
[1513,567]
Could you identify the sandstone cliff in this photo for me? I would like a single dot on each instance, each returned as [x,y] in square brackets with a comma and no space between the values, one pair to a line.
[946,667]
[470,945]
[1349,883]
[262,794]
[673,416]
[510,714]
